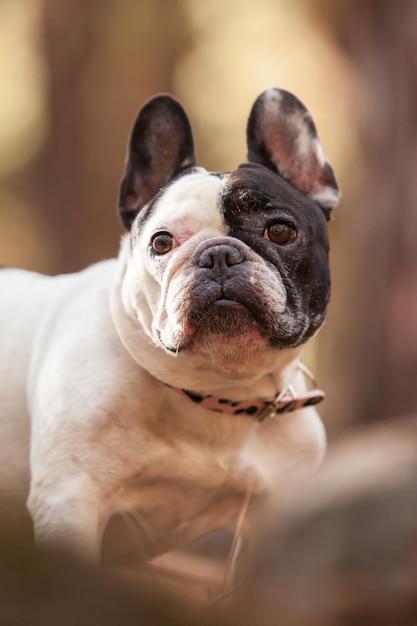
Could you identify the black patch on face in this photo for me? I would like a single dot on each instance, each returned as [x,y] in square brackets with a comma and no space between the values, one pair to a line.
[254,197]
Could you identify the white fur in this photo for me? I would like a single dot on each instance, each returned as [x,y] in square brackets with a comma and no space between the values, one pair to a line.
[88,428]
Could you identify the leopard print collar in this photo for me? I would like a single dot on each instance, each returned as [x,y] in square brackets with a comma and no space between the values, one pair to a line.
[284,401]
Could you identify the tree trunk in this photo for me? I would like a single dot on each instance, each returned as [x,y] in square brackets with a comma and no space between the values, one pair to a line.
[380,314]
[103,60]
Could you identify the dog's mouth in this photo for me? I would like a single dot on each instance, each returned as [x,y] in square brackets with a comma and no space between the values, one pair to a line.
[240,310]
[225,320]
[222,321]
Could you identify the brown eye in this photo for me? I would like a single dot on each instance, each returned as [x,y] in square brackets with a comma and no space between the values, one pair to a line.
[282,234]
[162,242]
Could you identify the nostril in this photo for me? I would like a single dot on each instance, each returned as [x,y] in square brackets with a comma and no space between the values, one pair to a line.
[220,256]
[233,255]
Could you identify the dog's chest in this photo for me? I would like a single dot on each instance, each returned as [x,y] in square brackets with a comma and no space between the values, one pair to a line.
[185,488]
[184,503]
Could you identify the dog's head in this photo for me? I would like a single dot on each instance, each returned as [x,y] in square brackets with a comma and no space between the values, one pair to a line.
[230,262]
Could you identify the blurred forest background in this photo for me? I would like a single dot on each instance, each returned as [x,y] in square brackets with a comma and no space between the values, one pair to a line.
[73,74]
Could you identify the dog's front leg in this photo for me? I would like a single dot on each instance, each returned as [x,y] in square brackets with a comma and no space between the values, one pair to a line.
[67,510]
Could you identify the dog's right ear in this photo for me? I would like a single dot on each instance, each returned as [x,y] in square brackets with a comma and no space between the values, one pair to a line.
[282,136]
[160,147]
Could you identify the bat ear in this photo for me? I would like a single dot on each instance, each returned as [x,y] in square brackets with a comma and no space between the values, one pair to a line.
[160,147]
[281,135]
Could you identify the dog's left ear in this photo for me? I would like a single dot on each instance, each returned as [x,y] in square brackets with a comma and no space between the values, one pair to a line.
[160,147]
[281,135]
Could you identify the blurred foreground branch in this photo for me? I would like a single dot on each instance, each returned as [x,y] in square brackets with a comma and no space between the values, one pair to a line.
[339,550]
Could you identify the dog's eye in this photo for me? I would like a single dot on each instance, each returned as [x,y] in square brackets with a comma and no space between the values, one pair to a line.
[282,234]
[162,242]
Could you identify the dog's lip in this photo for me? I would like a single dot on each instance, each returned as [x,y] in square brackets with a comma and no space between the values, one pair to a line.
[227,302]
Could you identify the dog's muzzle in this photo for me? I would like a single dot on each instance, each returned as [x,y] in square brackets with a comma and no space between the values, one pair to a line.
[221,267]
[226,296]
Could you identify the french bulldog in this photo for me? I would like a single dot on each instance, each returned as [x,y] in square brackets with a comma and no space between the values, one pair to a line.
[162,382]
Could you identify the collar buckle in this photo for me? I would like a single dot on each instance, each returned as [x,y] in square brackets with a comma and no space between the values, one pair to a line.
[288,394]
[269,412]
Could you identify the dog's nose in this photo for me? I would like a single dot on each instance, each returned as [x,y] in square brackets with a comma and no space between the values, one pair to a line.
[220,257]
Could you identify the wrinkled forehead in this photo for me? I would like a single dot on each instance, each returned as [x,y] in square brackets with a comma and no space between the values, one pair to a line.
[203,198]
[253,187]
[191,200]
[197,192]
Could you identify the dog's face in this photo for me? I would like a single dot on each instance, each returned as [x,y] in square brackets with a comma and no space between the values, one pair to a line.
[226,262]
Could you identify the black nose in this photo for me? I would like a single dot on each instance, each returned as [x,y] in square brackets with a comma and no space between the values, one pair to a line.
[220,257]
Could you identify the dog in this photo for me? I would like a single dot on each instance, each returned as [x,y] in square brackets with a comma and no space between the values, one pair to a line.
[168,379]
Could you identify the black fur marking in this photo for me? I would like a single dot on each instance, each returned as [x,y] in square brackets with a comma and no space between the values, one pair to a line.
[288,103]
[161,147]
[253,197]
[277,122]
